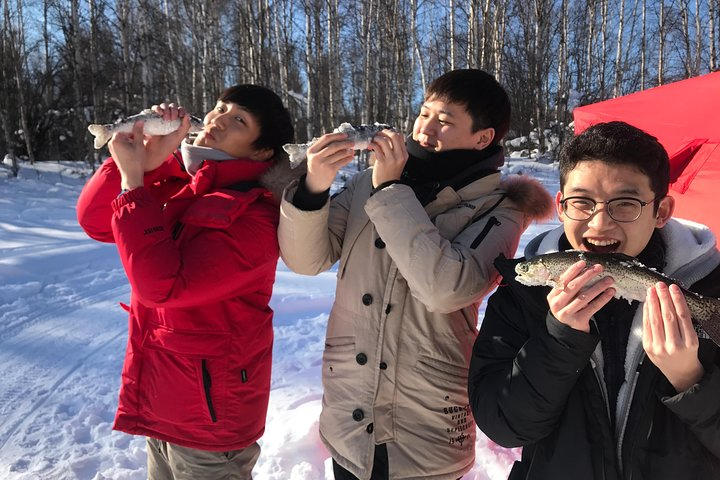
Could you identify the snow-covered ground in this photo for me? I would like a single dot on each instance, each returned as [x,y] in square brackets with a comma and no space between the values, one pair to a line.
[63,334]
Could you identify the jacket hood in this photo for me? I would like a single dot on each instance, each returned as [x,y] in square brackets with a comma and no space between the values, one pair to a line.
[277,177]
[222,172]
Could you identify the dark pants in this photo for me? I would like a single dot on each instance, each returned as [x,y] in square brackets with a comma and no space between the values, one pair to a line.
[379,471]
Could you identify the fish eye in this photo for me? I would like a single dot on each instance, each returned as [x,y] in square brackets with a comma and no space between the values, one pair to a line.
[524,267]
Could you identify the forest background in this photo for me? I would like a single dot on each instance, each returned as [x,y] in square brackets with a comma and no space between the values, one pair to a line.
[67,63]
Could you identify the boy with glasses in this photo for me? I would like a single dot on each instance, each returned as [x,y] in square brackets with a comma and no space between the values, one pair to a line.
[590,386]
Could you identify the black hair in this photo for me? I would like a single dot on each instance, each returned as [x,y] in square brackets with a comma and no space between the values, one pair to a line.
[276,128]
[482,96]
[619,143]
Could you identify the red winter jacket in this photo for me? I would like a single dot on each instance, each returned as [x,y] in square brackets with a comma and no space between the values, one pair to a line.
[201,260]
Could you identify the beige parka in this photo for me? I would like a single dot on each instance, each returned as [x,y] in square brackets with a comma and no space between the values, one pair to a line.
[404,320]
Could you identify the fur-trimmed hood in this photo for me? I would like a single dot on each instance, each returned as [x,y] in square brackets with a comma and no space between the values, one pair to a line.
[529,195]
[280,175]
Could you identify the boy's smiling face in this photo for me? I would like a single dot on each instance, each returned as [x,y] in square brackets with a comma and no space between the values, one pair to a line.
[443,126]
[601,182]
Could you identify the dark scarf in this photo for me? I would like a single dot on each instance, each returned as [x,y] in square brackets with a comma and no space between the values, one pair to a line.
[429,172]
[615,319]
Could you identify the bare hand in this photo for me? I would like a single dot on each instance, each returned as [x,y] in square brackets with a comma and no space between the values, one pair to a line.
[573,303]
[669,338]
[390,156]
[326,157]
[128,151]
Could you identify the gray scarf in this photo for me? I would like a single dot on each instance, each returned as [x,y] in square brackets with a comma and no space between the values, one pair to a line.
[193,156]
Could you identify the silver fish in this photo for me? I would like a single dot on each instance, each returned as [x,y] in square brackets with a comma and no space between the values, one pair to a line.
[154,125]
[361,135]
[632,279]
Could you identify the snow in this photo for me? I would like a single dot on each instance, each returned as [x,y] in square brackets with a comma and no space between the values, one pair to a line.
[63,335]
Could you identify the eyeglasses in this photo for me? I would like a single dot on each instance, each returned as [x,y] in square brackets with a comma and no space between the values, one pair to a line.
[621,209]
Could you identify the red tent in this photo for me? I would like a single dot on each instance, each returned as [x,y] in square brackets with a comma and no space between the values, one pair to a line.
[685,118]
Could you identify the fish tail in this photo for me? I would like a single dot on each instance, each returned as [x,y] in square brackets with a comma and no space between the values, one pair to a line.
[102,134]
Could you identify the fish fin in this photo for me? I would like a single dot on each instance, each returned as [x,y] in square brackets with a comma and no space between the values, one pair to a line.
[102,134]
[711,327]
[297,153]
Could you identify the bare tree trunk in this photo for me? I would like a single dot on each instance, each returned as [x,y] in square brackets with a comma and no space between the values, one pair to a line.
[711,29]
[698,38]
[617,89]
[18,58]
[94,158]
[562,90]
[175,81]
[452,34]
[310,70]
[661,45]
[333,56]
[591,41]
[6,57]
[488,30]
[368,110]
[685,14]
[124,19]
[416,44]
[603,45]
[281,43]
[499,38]
[472,51]
[643,45]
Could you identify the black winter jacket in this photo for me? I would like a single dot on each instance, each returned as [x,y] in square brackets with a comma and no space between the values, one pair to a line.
[535,382]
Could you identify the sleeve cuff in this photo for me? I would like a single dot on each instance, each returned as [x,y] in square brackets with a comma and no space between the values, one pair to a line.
[384,185]
[308,201]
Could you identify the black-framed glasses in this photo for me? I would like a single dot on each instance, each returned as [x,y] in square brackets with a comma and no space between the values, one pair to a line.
[621,209]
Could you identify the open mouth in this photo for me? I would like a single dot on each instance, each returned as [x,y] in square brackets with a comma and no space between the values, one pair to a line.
[601,246]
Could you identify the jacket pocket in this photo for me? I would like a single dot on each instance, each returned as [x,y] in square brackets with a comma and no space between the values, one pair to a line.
[340,370]
[183,375]
[439,382]
[441,369]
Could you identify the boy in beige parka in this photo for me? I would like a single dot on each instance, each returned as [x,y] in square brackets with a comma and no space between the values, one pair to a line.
[416,236]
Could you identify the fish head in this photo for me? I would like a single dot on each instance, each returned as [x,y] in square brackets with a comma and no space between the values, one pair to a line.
[533,273]
[196,124]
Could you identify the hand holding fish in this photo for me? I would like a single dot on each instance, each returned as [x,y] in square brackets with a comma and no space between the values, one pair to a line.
[575,298]
[159,147]
[325,158]
[669,338]
[128,151]
[134,153]
[391,155]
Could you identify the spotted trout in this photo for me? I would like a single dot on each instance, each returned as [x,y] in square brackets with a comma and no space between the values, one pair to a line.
[632,279]
[155,124]
[360,135]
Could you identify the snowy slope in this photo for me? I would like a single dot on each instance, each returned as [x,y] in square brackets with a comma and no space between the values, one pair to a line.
[63,334]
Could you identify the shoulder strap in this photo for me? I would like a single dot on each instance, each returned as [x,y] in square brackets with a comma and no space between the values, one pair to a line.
[487,212]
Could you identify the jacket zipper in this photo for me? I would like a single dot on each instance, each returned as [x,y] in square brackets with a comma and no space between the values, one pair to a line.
[207,383]
[625,410]
[177,229]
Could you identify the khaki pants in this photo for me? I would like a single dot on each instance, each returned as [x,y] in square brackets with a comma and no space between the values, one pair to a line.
[167,461]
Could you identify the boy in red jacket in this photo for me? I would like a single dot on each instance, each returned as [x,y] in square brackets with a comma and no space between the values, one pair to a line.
[196,233]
